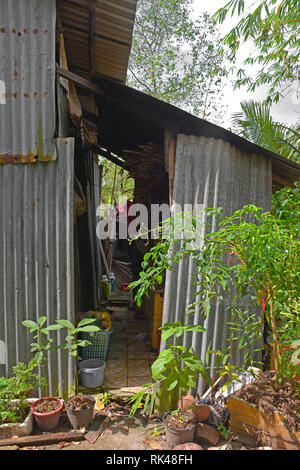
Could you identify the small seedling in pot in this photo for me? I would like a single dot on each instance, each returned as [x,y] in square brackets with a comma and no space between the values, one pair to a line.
[42,344]
[179,414]
[224,431]
[157,431]
[73,343]
[107,398]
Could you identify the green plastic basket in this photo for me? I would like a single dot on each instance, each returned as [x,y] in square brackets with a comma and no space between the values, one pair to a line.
[98,347]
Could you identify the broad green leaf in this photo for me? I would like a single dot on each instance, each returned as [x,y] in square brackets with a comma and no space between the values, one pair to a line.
[66,324]
[39,356]
[85,321]
[89,328]
[42,320]
[171,381]
[30,324]
[54,327]
[167,334]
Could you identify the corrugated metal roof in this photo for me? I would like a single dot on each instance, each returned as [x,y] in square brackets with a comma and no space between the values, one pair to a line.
[27,74]
[101,36]
[216,174]
[36,257]
[140,118]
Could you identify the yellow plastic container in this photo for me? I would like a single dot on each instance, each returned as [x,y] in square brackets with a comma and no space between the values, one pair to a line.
[155,318]
[103,317]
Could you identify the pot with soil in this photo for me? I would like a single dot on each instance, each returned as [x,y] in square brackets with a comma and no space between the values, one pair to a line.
[179,427]
[268,411]
[80,410]
[46,412]
[22,426]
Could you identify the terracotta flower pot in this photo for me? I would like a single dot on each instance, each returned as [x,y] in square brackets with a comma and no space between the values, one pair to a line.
[49,420]
[202,412]
[187,402]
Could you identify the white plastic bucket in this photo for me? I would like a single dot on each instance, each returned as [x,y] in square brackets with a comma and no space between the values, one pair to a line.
[91,373]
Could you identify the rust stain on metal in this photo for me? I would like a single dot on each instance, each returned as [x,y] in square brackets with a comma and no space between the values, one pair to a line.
[35,31]
[26,95]
[25,31]
[6,158]
[15,70]
[2,30]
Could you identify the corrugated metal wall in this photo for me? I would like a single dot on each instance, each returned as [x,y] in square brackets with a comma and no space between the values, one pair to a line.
[36,257]
[36,202]
[27,80]
[216,174]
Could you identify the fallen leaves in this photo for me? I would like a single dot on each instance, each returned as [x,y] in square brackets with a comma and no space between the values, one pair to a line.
[153,443]
[62,444]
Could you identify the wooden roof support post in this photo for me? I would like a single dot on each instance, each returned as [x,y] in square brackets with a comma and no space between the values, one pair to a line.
[170,153]
[92,9]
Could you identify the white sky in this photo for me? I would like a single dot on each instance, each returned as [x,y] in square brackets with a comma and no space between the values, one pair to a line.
[286,111]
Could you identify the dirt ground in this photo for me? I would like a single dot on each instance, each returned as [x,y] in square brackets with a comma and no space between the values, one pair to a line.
[122,432]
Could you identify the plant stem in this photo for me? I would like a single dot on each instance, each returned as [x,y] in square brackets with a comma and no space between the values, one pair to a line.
[76,377]
[275,343]
[42,365]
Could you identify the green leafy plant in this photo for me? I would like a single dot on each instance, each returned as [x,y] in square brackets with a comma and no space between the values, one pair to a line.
[224,431]
[255,123]
[175,371]
[106,398]
[24,379]
[73,343]
[273,29]
[253,255]
[42,344]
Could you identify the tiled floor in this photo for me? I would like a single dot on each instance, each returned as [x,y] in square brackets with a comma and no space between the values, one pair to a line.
[129,359]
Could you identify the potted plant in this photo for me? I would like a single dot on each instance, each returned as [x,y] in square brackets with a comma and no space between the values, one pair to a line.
[265,271]
[80,407]
[174,372]
[16,418]
[46,410]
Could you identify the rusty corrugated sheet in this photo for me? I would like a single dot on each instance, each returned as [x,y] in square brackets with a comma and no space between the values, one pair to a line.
[107,43]
[214,173]
[27,78]
[36,257]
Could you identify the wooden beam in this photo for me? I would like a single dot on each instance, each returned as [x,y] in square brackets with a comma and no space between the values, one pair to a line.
[281,181]
[171,161]
[170,154]
[81,82]
[115,93]
[92,9]
[106,154]
[39,440]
